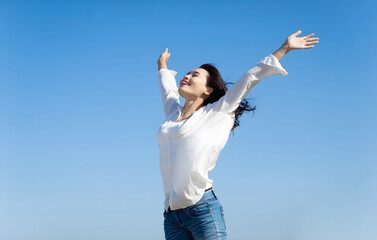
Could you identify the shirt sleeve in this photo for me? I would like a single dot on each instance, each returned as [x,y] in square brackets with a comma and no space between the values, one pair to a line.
[267,67]
[169,90]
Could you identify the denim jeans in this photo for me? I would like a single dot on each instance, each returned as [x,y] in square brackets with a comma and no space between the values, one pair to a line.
[203,220]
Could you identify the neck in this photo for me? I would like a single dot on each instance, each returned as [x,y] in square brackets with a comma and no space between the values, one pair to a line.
[191,106]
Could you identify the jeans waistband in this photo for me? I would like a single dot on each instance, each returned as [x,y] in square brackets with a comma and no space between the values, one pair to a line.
[208,193]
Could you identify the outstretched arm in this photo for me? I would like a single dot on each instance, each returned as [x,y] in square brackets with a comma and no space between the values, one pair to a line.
[267,67]
[168,85]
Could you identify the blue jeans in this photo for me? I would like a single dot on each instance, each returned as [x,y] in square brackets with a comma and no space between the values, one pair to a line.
[203,220]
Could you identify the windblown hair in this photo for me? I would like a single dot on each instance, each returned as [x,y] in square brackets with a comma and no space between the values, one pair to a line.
[218,84]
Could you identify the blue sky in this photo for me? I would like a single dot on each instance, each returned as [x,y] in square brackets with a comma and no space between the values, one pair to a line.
[80,107]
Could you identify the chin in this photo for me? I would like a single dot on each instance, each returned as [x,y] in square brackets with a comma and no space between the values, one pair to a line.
[180,92]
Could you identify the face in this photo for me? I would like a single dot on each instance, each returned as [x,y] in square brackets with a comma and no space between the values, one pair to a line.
[193,84]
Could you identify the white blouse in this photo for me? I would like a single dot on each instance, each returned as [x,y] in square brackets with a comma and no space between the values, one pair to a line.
[189,149]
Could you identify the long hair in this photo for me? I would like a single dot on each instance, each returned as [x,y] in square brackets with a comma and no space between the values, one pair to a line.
[218,84]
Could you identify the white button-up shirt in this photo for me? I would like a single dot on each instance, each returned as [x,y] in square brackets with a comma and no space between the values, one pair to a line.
[189,149]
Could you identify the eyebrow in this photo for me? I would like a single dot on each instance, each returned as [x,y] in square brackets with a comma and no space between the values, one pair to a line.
[193,72]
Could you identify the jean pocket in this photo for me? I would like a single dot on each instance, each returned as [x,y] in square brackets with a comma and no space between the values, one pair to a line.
[198,210]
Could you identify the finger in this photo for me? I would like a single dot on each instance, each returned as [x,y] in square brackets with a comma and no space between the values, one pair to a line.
[308,35]
[306,47]
[311,39]
[297,33]
[309,46]
[310,43]
[166,49]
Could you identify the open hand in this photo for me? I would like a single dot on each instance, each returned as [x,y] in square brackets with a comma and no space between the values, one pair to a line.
[293,42]
[163,57]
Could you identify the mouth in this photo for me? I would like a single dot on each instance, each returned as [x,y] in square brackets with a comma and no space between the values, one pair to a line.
[185,83]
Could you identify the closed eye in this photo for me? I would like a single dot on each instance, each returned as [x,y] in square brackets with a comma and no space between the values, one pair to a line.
[195,73]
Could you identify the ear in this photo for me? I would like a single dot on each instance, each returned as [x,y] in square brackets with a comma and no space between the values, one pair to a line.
[208,91]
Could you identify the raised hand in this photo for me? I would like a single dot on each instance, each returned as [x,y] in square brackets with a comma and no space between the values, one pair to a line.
[294,42]
[163,59]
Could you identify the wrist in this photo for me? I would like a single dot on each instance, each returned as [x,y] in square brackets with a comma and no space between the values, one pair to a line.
[282,51]
[162,65]
[285,47]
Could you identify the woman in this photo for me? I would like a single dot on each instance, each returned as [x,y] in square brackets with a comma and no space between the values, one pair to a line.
[192,137]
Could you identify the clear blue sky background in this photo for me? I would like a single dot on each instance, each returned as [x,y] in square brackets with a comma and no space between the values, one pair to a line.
[80,107]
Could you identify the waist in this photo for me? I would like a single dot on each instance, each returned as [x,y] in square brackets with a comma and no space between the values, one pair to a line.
[204,197]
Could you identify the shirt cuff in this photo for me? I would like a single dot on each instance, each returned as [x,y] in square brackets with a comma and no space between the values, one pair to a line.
[271,60]
[171,71]
[267,67]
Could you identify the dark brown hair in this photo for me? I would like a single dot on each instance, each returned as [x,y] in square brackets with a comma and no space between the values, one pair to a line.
[218,84]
